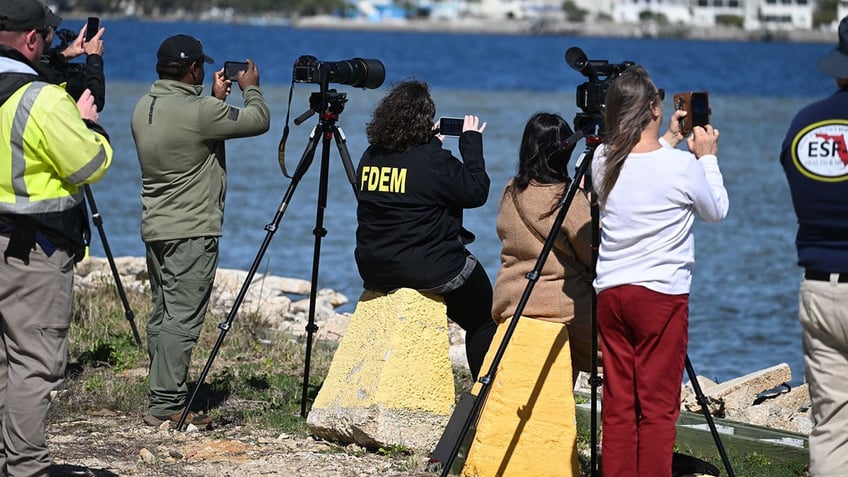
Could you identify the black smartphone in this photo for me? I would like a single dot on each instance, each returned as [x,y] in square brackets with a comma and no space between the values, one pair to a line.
[700,109]
[231,69]
[91,28]
[451,126]
[697,104]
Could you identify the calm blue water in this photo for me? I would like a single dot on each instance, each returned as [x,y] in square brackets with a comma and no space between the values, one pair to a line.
[743,301]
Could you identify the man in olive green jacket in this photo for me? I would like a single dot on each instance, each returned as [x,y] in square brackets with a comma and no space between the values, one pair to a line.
[179,137]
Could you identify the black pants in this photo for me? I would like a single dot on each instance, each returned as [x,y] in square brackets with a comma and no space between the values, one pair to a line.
[470,306]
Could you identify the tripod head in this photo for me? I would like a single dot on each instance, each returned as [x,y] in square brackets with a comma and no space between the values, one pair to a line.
[329,104]
[588,124]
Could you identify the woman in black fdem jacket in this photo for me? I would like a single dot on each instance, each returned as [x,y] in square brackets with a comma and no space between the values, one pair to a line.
[412,193]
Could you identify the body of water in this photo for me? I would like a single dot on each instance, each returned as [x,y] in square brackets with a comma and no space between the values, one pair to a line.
[744,295]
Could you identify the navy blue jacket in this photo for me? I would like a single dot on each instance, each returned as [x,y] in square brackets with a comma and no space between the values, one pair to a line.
[815,159]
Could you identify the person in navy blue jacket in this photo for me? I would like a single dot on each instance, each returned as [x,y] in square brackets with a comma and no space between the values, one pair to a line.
[815,159]
[412,193]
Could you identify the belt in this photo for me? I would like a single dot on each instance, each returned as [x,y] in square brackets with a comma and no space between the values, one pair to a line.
[824,276]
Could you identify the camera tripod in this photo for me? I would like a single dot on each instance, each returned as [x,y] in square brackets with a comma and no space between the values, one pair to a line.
[328,104]
[469,408]
[98,222]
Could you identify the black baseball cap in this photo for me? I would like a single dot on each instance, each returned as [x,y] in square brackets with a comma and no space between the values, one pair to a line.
[182,48]
[835,64]
[23,15]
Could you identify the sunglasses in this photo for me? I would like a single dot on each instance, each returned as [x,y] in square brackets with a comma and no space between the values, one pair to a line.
[44,32]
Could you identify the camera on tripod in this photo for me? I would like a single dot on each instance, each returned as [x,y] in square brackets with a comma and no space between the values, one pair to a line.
[72,73]
[591,95]
[357,72]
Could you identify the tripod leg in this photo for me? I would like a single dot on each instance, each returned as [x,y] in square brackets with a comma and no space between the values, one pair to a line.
[98,222]
[341,142]
[303,165]
[319,232]
[595,381]
[702,400]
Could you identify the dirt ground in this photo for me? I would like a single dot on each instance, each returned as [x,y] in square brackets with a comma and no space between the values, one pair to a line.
[108,444]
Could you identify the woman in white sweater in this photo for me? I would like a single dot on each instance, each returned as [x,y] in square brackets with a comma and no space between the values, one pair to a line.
[649,194]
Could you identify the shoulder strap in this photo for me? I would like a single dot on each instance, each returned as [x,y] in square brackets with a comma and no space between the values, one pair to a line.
[572,257]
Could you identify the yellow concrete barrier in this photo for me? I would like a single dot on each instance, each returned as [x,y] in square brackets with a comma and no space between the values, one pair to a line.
[527,426]
[390,382]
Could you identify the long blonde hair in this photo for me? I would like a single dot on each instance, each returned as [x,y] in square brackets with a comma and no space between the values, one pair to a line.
[628,113]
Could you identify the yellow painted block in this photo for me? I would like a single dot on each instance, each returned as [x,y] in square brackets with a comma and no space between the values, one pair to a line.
[527,426]
[394,355]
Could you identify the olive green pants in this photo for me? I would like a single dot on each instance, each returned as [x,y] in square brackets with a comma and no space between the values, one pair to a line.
[181,276]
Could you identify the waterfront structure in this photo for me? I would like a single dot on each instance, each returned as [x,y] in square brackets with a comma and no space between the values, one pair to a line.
[750,14]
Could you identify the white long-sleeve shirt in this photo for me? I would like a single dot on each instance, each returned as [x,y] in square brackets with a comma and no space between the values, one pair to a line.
[646,222]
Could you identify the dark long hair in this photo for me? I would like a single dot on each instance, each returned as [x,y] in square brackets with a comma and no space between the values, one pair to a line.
[543,157]
[628,112]
[403,118]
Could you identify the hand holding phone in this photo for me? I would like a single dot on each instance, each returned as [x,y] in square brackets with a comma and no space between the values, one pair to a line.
[91,28]
[231,69]
[697,107]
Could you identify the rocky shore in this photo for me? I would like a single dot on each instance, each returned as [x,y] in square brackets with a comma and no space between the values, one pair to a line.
[106,443]
[759,398]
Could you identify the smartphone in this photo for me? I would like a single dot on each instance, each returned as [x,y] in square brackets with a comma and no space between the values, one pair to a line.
[231,69]
[451,126]
[697,104]
[91,28]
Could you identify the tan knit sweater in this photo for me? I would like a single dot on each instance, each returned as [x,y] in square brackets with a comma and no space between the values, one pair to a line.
[563,292]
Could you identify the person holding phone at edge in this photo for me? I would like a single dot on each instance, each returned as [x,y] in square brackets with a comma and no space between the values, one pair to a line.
[411,235]
[50,146]
[814,157]
[179,137]
[648,194]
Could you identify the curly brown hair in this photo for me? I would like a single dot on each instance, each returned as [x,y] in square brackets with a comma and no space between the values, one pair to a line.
[403,118]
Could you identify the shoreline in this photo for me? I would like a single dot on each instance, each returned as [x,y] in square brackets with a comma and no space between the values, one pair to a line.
[502,27]
[555,27]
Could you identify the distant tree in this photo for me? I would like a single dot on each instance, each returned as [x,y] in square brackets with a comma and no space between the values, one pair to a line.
[573,13]
[648,15]
[825,13]
[730,21]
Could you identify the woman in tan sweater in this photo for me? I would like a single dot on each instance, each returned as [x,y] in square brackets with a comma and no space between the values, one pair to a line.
[528,207]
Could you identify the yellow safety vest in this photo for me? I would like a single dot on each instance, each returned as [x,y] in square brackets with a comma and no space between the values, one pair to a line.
[46,151]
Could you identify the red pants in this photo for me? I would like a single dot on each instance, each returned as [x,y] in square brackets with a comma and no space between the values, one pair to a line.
[643,337]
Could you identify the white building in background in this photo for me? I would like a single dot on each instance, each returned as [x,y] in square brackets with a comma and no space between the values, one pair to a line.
[630,11]
[754,14]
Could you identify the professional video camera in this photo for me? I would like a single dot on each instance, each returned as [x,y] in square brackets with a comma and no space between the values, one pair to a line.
[60,70]
[591,95]
[357,72]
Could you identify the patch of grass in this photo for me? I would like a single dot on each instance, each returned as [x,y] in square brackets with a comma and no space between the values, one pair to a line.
[252,382]
[394,451]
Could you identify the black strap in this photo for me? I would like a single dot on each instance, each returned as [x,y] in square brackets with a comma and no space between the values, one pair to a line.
[571,257]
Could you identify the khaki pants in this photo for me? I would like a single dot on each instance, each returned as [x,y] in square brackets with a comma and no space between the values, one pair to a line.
[35,313]
[181,276]
[823,312]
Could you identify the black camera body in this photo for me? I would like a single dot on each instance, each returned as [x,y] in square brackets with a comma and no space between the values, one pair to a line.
[591,95]
[357,72]
[59,70]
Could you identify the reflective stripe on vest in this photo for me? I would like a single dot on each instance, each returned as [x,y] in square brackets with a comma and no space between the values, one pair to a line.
[22,204]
